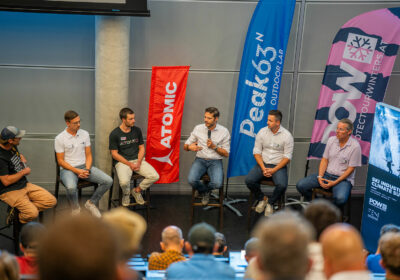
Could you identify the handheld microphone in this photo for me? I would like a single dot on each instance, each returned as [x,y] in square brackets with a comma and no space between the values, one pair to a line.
[209,134]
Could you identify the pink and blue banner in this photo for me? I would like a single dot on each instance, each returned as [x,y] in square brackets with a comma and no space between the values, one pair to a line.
[259,79]
[356,76]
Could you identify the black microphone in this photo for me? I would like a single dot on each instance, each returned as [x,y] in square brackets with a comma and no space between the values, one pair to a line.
[209,134]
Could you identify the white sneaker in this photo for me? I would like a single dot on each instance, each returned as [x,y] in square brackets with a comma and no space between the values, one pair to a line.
[126,200]
[268,210]
[261,205]
[76,211]
[92,209]
[205,199]
[138,197]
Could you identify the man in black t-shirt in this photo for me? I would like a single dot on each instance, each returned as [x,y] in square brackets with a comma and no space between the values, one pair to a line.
[127,150]
[15,190]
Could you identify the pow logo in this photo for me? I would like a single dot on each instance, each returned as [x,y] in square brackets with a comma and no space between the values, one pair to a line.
[360,48]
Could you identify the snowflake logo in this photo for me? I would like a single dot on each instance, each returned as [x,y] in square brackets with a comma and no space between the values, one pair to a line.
[360,48]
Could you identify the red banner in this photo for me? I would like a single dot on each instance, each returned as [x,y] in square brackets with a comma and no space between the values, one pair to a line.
[167,97]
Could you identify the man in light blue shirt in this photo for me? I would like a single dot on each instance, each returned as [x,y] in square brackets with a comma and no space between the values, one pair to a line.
[202,264]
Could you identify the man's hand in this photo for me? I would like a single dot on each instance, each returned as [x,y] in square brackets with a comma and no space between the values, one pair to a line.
[194,147]
[325,183]
[136,166]
[23,159]
[83,173]
[210,144]
[267,172]
[26,171]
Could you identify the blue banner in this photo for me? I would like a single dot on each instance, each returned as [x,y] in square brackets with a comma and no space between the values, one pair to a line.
[259,78]
[382,194]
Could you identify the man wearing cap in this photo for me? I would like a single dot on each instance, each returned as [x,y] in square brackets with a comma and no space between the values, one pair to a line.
[211,142]
[74,155]
[15,190]
[202,264]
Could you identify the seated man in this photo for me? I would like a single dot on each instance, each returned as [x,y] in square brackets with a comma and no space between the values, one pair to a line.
[172,245]
[15,190]
[202,264]
[390,250]
[337,168]
[273,150]
[373,261]
[221,242]
[29,241]
[211,142]
[74,155]
[127,150]
[342,249]
[282,246]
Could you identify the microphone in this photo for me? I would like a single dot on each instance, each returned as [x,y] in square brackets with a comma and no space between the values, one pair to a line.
[209,134]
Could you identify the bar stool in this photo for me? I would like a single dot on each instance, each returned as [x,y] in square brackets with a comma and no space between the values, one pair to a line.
[265,181]
[215,201]
[329,194]
[81,185]
[118,201]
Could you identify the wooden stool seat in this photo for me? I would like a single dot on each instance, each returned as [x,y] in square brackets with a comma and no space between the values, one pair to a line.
[214,202]
[329,194]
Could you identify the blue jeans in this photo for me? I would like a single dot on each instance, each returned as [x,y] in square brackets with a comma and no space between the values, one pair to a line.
[279,178]
[340,191]
[213,168]
[70,181]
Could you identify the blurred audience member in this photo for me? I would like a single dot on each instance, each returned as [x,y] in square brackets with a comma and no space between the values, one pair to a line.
[373,261]
[320,213]
[79,248]
[251,251]
[283,242]
[8,267]
[129,228]
[172,245]
[202,264]
[390,250]
[221,241]
[29,241]
[342,249]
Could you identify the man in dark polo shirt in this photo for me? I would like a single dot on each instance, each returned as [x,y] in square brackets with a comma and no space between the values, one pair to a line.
[127,150]
[15,190]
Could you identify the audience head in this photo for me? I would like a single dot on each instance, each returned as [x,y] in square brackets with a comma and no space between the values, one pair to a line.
[321,213]
[342,249]
[251,248]
[389,244]
[129,227]
[389,228]
[30,237]
[201,239]
[171,238]
[283,242]
[9,269]
[221,243]
[79,247]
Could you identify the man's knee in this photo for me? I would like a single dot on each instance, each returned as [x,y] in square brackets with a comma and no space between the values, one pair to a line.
[71,187]
[301,185]
[249,181]
[154,177]
[28,215]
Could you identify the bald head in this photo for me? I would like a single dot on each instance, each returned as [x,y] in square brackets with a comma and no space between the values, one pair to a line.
[342,249]
[171,235]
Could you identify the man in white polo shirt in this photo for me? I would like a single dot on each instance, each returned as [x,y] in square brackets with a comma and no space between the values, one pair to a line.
[273,150]
[337,168]
[211,142]
[74,155]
